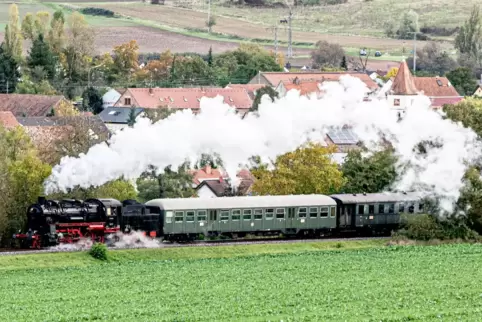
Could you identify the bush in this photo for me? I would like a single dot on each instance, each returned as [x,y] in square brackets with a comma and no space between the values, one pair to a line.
[99,251]
[97,12]
[426,227]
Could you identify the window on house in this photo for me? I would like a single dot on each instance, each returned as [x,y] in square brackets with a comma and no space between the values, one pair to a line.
[439,82]
[127,101]
[396,102]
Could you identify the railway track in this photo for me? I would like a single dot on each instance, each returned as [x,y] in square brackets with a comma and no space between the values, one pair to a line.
[214,243]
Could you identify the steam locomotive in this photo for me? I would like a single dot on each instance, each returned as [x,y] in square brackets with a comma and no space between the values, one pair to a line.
[52,222]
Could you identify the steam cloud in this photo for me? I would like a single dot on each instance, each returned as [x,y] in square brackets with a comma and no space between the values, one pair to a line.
[282,126]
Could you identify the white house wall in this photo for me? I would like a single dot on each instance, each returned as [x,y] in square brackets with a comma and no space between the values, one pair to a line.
[205,192]
[110,98]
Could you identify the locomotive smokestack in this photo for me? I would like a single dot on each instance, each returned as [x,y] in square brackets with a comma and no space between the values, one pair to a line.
[41,200]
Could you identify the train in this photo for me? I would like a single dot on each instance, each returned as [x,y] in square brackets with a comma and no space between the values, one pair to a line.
[52,222]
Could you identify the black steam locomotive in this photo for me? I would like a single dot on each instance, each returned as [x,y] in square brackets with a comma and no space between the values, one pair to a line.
[53,222]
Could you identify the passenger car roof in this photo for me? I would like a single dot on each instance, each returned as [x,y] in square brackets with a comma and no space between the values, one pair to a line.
[377,197]
[242,202]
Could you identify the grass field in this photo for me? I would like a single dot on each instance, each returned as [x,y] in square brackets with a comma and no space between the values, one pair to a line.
[250,283]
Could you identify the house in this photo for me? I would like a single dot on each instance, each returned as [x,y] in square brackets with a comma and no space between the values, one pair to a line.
[406,87]
[111,97]
[211,183]
[250,88]
[8,120]
[478,91]
[117,118]
[183,98]
[27,105]
[274,78]
[46,132]
[306,88]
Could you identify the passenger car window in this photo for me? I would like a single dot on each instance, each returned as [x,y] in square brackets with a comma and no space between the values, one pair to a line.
[236,214]
[302,212]
[269,213]
[401,207]
[247,214]
[333,212]
[391,208]
[381,209]
[313,212]
[201,215]
[361,209]
[371,209]
[224,215]
[280,213]
[189,216]
[258,214]
[178,216]
[169,215]
[323,211]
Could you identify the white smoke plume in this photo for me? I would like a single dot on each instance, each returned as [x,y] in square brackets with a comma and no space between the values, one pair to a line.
[280,127]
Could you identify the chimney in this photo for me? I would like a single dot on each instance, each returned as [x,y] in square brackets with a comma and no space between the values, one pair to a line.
[208,169]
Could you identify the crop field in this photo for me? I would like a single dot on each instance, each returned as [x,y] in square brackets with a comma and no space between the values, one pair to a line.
[402,283]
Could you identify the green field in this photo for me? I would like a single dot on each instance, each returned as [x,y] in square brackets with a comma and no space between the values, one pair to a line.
[289,283]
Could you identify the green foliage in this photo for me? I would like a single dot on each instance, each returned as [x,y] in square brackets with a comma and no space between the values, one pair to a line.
[118,189]
[468,111]
[343,64]
[97,12]
[92,100]
[41,56]
[13,35]
[469,38]
[408,25]
[28,86]
[327,54]
[307,170]
[267,90]
[427,227]
[369,174]
[433,60]
[132,117]
[9,73]
[419,284]
[463,80]
[470,200]
[21,177]
[99,251]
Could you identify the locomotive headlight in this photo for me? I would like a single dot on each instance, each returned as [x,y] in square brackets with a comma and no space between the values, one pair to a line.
[108,211]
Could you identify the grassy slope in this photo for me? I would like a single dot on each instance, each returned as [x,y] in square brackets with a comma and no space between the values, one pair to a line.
[389,284]
[81,259]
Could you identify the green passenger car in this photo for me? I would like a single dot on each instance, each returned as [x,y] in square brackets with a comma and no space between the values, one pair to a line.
[238,216]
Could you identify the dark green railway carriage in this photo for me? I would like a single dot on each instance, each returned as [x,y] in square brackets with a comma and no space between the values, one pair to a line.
[375,210]
[238,216]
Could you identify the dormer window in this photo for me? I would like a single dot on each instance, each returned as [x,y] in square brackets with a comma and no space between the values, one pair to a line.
[396,102]
[439,82]
[127,101]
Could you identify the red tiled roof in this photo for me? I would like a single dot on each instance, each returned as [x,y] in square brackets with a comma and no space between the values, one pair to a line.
[188,97]
[441,101]
[403,84]
[28,105]
[250,88]
[206,173]
[430,86]
[274,78]
[8,120]
[305,88]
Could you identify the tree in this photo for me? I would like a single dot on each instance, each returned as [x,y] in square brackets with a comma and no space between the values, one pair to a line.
[66,108]
[266,90]
[210,56]
[13,35]
[369,174]
[343,64]
[29,86]
[9,73]
[408,25]
[211,23]
[468,111]
[92,100]
[433,60]
[132,117]
[118,189]
[470,200]
[41,55]
[56,34]
[307,170]
[76,56]
[157,114]
[21,178]
[327,55]
[126,58]
[463,80]
[391,73]
[469,39]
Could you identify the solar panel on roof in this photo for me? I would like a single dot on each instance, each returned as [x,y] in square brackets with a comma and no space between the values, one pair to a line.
[343,136]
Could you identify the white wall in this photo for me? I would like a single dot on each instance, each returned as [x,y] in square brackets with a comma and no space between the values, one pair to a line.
[114,127]
[110,98]
[205,192]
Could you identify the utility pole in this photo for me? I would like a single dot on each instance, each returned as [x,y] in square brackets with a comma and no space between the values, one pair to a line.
[290,38]
[415,52]
[275,30]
